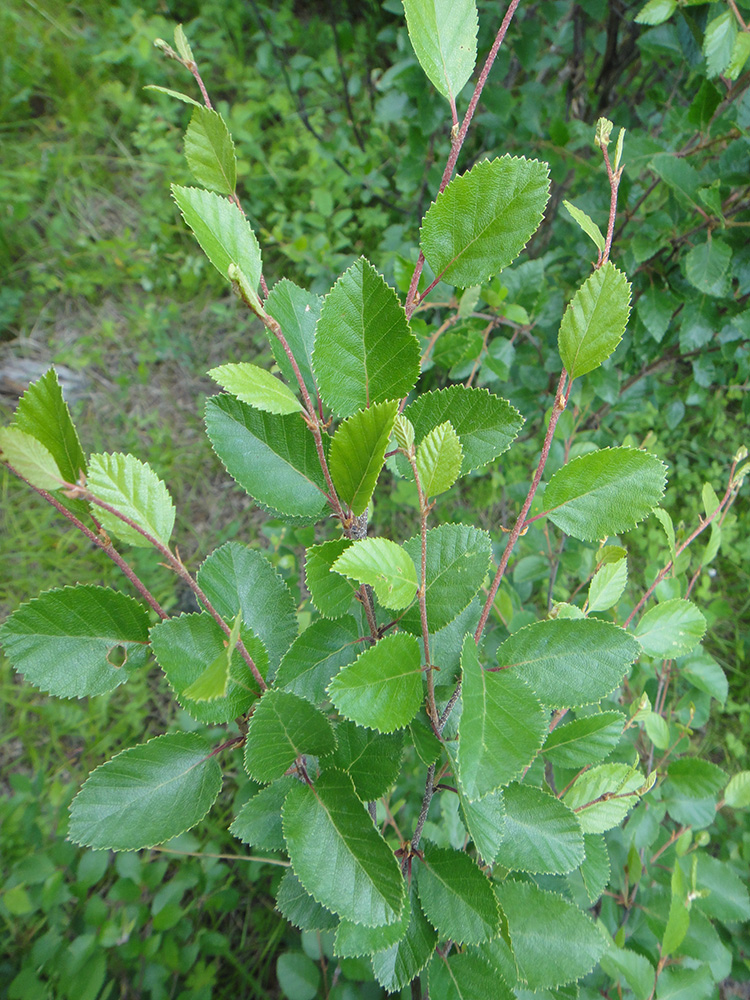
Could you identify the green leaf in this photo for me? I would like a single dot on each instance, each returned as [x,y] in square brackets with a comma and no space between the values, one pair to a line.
[458,557]
[297,312]
[257,387]
[486,424]
[395,967]
[299,908]
[372,760]
[273,458]
[485,823]
[174,93]
[222,231]
[382,689]
[338,855]
[465,976]
[595,320]
[585,741]
[483,219]
[283,727]
[383,565]
[30,458]
[621,963]
[444,36]
[146,794]
[358,452]
[678,920]
[71,642]
[604,492]
[605,590]
[353,940]
[365,352]
[686,984]
[706,266]
[553,942]
[43,413]
[457,897]
[186,646]
[439,459]
[657,730]
[704,673]
[727,897]
[718,42]
[569,662]
[236,578]
[541,834]
[656,12]
[298,975]
[586,223]
[595,870]
[602,797]
[740,54]
[133,488]
[691,790]
[665,521]
[331,593]
[258,823]
[317,655]
[737,792]
[182,45]
[209,151]
[671,629]
[426,744]
[502,726]
[213,683]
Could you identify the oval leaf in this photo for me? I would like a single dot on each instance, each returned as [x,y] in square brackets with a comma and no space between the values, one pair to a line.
[542,835]
[209,151]
[457,896]
[384,566]
[358,452]
[595,320]
[443,34]
[584,741]
[257,387]
[317,655]
[30,458]
[297,312]
[439,459]
[134,489]
[672,628]
[331,593]
[283,727]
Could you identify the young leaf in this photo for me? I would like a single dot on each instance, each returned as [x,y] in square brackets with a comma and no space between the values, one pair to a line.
[465,976]
[182,45]
[258,823]
[354,940]
[213,683]
[569,662]
[365,352]
[385,566]
[605,590]
[553,942]
[284,727]
[222,231]
[604,492]
[299,908]
[30,458]
[486,425]
[146,794]
[297,312]
[483,219]
[133,488]
[586,223]
[542,835]
[317,655]
[71,642]
[718,42]
[331,593]
[236,578]
[272,457]
[358,452]
[737,792]
[257,387]
[174,93]
[595,320]
[187,646]
[396,966]
[585,741]
[602,797]
[403,431]
[372,760]
[444,36]
[502,726]
[439,459]
[457,897]
[671,629]
[338,855]
[656,12]
[209,151]
[382,689]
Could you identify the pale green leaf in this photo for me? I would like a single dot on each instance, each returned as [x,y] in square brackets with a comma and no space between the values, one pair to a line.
[542,835]
[146,794]
[382,689]
[385,566]
[457,897]
[338,854]
[740,54]
[656,12]
[354,940]
[665,521]
[182,45]
[258,823]
[584,741]
[331,593]
[606,588]
[704,673]
[678,919]
[604,492]
[602,797]
[133,488]
[403,431]
[174,93]
[317,655]
[586,223]
[671,629]
[283,728]
[209,151]
[257,387]
[358,452]
[483,219]
[657,730]
[297,312]
[439,459]
[299,908]
[372,760]
[214,681]
[395,967]
[30,458]
[737,792]
[718,42]
[595,320]
[365,352]
[443,34]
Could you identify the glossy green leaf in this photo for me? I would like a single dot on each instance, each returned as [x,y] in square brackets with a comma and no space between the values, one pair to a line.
[458,557]
[457,897]
[258,823]
[187,645]
[358,452]
[365,352]
[706,266]
[338,855]
[272,457]
[317,655]
[483,219]
[331,593]
[283,728]
[77,641]
[656,12]
[297,312]
[486,424]
[595,320]
[385,566]
[465,976]
[439,459]
[396,966]
[604,492]
[737,792]
[209,151]
[443,34]
[671,629]
[257,387]
[382,689]
[30,458]
[541,834]
[502,726]
[372,760]
[299,908]
[354,940]
[586,223]
[146,794]
[602,797]
[605,590]
[569,662]
[134,489]
[553,941]
[584,741]
[223,232]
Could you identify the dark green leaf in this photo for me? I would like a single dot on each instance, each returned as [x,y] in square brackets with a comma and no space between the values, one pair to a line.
[727,897]
[691,790]
[297,312]
[584,741]
[299,908]
[595,320]
[395,967]
[258,822]
[283,727]
[465,976]
[706,266]
[358,452]
[457,897]
[372,760]
[331,593]
[298,975]
[209,151]
[541,834]
[636,970]
[317,655]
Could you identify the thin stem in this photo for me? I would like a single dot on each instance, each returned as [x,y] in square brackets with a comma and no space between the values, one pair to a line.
[224,857]
[429,791]
[614,183]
